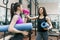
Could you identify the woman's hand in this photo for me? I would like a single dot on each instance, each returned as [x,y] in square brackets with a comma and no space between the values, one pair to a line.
[25,33]
[45,28]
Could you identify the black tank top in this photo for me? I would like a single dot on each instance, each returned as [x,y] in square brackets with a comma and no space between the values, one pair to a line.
[39,21]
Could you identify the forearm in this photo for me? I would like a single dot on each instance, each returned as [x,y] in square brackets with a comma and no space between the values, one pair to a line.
[25,20]
[28,17]
[50,27]
[32,18]
[12,29]
[17,31]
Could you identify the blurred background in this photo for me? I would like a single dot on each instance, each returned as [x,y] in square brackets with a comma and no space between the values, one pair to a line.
[52,8]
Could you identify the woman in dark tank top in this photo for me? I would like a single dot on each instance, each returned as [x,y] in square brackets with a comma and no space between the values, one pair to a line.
[39,21]
[42,33]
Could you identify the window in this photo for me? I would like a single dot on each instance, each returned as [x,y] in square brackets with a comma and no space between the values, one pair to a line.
[3,14]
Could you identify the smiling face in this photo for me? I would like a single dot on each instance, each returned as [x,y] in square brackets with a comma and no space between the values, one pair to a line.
[41,10]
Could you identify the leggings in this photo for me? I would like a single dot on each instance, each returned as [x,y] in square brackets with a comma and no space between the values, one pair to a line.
[42,36]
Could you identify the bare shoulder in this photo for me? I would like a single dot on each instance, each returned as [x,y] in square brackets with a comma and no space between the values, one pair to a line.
[47,17]
[15,16]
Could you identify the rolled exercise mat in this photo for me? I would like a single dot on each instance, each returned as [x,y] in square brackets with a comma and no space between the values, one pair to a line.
[44,25]
[22,27]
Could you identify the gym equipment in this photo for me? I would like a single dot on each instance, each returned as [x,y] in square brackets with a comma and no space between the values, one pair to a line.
[5,2]
[22,27]
[44,25]
[26,11]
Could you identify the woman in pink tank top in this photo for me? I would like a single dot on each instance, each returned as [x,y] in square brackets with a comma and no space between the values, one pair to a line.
[16,9]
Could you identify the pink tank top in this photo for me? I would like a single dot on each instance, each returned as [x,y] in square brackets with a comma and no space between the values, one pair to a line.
[20,20]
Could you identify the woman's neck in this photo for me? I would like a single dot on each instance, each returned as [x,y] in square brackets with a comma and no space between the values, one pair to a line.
[41,15]
[18,12]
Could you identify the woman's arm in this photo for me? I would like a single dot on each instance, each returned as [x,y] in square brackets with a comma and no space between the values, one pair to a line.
[11,26]
[32,18]
[49,21]
[25,20]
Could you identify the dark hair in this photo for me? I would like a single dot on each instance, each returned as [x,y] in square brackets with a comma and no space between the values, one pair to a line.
[44,11]
[14,8]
